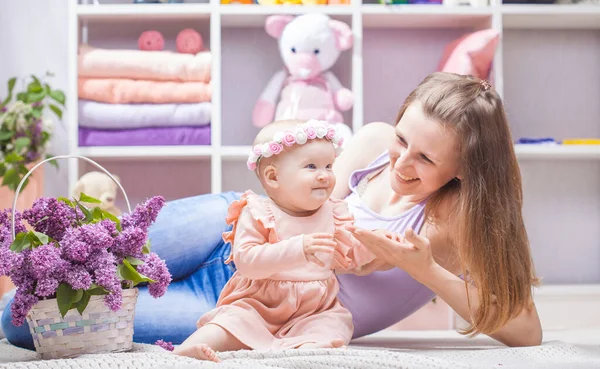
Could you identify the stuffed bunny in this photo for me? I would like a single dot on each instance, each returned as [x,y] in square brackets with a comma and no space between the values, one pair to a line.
[99,186]
[309,45]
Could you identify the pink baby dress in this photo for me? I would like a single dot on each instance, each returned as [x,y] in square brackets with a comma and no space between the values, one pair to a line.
[277,299]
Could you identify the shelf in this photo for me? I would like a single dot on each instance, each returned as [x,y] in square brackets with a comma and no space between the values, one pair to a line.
[551,16]
[146,152]
[255,15]
[235,152]
[425,16]
[542,151]
[143,11]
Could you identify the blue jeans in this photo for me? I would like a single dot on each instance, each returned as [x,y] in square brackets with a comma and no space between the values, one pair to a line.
[187,235]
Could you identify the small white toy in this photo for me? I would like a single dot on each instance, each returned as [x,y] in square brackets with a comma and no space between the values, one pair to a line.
[99,186]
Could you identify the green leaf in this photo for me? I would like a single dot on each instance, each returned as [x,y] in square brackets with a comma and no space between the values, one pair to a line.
[20,243]
[54,163]
[6,135]
[34,97]
[83,303]
[85,198]
[42,238]
[11,85]
[134,261]
[35,85]
[107,215]
[36,113]
[22,143]
[128,273]
[58,96]
[22,96]
[2,169]
[13,157]
[96,290]
[56,111]
[10,176]
[66,201]
[85,211]
[146,248]
[66,296]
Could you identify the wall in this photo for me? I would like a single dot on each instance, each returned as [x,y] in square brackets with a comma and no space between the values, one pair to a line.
[33,39]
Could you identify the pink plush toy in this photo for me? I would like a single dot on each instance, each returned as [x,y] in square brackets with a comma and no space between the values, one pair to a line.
[309,45]
[151,41]
[189,41]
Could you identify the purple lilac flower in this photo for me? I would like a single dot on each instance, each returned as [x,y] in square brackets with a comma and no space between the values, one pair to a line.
[73,248]
[45,260]
[130,242]
[114,300]
[110,227]
[58,217]
[22,275]
[78,277]
[102,265]
[21,305]
[6,222]
[46,287]
[8,261]
[97,236]
[155,268]
[166,345]
[144,215]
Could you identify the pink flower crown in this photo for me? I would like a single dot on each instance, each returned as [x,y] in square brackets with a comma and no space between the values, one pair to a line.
[310,130]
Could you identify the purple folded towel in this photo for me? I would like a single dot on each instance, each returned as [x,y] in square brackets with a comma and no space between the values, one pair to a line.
[152,136]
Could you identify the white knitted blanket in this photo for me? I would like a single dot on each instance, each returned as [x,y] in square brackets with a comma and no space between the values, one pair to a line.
[550,355]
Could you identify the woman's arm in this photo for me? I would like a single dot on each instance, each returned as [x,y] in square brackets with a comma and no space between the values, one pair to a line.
[415,256]
[523,330]
[366,144]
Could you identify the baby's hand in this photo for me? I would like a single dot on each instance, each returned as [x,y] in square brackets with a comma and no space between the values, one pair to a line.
[318,242]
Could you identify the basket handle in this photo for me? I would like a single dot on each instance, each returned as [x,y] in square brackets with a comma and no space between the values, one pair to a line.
[62,157]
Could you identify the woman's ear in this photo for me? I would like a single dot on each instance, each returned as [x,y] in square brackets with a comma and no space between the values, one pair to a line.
[270,176]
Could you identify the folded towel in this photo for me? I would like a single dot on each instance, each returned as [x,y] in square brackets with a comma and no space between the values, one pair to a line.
[127,116]
[141,64]
[127,91]
[152,136]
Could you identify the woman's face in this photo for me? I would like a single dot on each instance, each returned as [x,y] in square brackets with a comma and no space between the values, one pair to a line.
[425,155]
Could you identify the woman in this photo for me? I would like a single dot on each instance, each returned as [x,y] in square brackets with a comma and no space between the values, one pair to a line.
[447,170]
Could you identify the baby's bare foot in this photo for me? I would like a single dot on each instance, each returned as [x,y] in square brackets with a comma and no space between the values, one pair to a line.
[200,352]
[337,343]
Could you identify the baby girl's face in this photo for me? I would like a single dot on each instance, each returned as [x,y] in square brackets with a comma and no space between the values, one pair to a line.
[305,175]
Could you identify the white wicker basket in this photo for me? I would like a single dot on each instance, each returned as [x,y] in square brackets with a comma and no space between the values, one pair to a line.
[98,329]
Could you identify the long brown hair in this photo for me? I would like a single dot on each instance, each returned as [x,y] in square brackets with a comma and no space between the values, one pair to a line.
[491,239]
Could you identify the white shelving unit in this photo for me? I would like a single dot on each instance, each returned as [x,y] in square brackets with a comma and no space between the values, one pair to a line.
[546,69]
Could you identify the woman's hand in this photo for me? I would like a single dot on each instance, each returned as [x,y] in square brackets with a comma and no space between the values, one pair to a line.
[412,254]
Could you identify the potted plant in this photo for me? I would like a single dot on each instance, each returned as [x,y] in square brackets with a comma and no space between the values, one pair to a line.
[76,272]
[26,128]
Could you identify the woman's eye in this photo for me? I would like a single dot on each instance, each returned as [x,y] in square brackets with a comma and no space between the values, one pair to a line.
[426,159]
[402,141]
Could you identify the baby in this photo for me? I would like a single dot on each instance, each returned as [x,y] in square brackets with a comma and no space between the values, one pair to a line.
[286,248]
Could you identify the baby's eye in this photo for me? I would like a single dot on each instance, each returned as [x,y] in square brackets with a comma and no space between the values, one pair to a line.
[329,166]
[311,166]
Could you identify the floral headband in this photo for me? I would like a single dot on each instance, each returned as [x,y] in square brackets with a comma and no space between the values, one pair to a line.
[310,130]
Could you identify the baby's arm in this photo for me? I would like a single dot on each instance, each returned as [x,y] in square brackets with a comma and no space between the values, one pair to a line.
[255,257]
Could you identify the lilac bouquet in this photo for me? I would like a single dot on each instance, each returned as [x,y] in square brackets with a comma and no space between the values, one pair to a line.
[74,252]
[25,127]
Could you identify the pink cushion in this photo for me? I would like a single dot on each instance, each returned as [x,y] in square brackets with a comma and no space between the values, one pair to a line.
[472,54]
